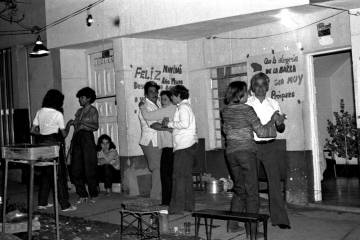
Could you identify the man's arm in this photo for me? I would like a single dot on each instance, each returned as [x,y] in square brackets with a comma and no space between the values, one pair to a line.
[184,118]
[159,127]
[279,123]
[156,115]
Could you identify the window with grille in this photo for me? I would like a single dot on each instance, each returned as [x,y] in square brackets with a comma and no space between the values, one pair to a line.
[220,79]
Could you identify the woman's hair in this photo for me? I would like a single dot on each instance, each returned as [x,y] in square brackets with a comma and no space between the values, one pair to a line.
[53,99]
[257,76]
[167,93]
[105,137]
[235,91]
[150,84]
[180,90]
[87,92]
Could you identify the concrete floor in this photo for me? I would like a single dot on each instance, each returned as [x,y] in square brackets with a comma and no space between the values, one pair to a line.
[307,222]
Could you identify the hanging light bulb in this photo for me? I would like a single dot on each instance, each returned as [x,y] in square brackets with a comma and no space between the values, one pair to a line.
[89,18]
[39,49]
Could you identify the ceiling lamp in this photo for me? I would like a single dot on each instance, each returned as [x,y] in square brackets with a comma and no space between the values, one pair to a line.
[89,18]
[39,49]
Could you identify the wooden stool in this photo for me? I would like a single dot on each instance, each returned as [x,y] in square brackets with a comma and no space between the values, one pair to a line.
[227,215]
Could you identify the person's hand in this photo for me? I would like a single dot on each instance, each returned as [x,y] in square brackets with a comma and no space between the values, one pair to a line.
[141,103]
[281,118]
[275,116]
[165,121]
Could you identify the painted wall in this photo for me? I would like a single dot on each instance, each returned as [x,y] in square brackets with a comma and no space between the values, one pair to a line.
[208,53]
[115,18]
[136,62]
[73,78]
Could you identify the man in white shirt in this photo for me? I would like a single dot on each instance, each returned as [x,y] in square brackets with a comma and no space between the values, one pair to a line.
[185,146]
[266,154]
[148,141]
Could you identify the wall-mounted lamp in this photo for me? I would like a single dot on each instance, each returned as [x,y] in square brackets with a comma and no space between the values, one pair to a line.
[39,49]
[89,19]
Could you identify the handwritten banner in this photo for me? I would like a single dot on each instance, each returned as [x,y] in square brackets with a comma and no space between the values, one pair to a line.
[165,76]
[287,81]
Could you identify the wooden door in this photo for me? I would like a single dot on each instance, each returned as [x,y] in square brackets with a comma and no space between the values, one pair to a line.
[102,80]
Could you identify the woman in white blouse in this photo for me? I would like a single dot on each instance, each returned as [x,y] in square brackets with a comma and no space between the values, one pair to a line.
[49,128]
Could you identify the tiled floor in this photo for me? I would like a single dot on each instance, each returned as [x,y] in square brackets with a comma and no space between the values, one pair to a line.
[341,192]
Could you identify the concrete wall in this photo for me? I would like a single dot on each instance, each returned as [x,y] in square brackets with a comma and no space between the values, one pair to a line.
[133,58]
[73,78]
[208,53]
[205,54]
[140,16]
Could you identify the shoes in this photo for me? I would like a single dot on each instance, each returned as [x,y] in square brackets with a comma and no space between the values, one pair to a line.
[69,209]
[284,226]
[93,200]
[49,205]
[82,200]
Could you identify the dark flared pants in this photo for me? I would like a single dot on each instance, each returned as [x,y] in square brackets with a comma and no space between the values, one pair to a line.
[166,171]
[46,175]
[84,164]
[243,168]
[182,197]
[269,157]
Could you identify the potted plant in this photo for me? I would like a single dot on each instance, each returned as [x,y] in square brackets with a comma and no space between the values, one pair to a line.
[342,142]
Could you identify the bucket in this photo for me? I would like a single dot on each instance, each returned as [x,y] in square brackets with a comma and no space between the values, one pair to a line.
[214,186]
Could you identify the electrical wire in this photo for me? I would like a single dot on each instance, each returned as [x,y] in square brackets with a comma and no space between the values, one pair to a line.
[71,15]
[276,34]
[37,30]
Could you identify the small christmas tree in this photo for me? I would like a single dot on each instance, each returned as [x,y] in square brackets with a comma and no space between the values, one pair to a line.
[343,134]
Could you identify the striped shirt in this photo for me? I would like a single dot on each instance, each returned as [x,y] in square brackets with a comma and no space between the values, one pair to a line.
[240,121]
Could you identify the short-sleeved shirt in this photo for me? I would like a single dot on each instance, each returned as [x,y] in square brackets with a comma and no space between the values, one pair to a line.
[148,135]
[88,114]
[264,110]
[49,121]
[164,137]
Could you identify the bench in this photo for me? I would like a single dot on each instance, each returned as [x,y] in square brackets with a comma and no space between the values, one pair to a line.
[227,215]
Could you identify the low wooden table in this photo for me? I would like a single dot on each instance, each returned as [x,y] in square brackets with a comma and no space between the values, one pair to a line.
[136,211]
[32,155]
[227,215]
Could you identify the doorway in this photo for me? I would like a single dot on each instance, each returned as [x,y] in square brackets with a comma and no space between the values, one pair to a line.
[102,80]
[333,82]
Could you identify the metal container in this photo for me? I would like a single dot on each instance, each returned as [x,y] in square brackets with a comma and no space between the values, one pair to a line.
[214,186]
